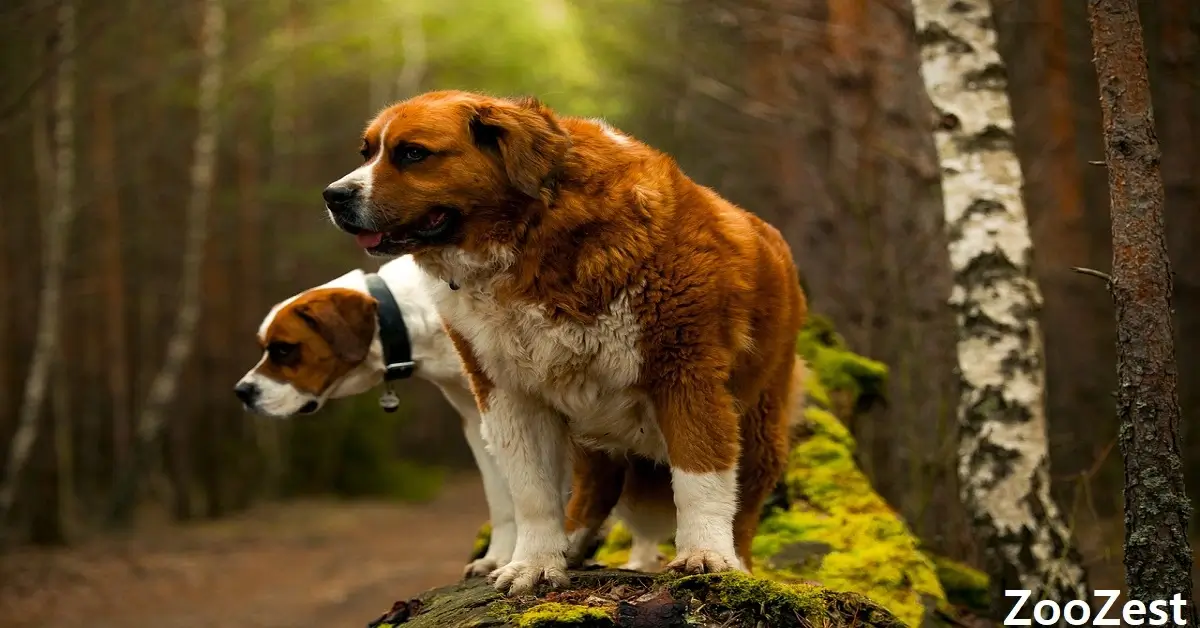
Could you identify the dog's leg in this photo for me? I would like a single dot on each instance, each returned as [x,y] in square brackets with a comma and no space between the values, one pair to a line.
[529,440]
[647,508]
[695,412]
[499,501]
[765,436]
[594,493]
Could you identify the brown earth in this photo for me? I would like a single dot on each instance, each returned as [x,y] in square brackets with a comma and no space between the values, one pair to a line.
[295,565]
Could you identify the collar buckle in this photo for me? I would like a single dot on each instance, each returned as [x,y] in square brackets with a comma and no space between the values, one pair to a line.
[398,370]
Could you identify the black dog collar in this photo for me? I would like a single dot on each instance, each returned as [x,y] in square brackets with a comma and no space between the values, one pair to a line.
[393,334]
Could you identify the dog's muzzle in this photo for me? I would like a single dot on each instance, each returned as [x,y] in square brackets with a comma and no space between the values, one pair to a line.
[341,199]
[247,393]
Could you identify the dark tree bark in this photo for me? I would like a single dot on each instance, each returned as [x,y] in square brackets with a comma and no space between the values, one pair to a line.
[1158,558]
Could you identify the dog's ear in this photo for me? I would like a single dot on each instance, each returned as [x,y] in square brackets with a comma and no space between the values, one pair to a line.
[530,143]
[345,320]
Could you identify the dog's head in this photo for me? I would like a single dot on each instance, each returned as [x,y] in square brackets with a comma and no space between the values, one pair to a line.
[316,346]
[449,168]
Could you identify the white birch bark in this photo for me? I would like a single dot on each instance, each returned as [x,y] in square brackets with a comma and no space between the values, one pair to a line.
[56,235]
[1003,448]
[204,165]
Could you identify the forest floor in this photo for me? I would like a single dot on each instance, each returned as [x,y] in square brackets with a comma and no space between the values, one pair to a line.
[295,565]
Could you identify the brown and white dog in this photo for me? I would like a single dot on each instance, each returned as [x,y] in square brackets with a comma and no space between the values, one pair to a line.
[597,296]
[325,343]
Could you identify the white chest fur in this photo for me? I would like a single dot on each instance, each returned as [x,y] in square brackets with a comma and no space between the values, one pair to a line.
[587,372]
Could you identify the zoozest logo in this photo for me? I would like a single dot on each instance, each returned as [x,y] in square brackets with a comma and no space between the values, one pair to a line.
[1079,612]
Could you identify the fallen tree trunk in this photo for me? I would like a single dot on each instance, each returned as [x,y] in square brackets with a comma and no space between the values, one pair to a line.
[609,598]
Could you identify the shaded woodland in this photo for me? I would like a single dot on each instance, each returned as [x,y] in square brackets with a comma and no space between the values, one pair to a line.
[810,113]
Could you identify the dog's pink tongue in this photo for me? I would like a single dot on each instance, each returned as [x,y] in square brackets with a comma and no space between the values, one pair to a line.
[369,239]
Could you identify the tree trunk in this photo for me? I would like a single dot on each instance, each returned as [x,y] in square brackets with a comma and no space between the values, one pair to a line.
[116,349]
[56,233]
[1003,450]
[1158,558]
[182,339]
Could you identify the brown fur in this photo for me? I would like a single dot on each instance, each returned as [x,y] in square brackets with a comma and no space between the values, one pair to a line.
[481,386]
[591,217]
[332,328]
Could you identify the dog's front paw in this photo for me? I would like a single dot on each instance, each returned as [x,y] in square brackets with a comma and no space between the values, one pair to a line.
[521,577]
[704,561]
[480,567]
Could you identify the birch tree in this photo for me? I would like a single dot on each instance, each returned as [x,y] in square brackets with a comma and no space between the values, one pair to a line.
[55,235]
[1003,444]
[1158,558]
[165,384]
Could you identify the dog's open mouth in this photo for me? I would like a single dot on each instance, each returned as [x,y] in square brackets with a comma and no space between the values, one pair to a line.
[435,227]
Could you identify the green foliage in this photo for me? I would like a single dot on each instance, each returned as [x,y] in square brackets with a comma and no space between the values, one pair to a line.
[349,449]
[508,48]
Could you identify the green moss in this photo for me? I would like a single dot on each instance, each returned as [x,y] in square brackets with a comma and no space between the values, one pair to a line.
[837,368]
[964,585]
[822,423]
[735,591]
[840,533]
[483,538]
[558,614]
[779,604]
[614,551]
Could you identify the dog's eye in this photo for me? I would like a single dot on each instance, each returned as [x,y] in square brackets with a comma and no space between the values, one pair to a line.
[365,151]
[411,154]
[281,352]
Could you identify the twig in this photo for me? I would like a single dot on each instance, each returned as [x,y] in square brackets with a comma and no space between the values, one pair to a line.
[1095,273]
[1097,163]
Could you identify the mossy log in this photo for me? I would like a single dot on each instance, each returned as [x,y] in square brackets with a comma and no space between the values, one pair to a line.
[624,599]
[827,544]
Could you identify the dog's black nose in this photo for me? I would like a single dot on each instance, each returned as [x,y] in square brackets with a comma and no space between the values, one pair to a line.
[337,196]
[246,392]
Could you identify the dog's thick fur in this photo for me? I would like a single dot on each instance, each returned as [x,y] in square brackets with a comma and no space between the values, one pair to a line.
[602,301]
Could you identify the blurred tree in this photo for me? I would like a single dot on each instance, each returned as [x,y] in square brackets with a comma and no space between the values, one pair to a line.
[182,340]
[1003,451]
[104,161]
[56,233]
[1158,557]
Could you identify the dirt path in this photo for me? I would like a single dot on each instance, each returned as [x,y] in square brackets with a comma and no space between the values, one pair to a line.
[298,565]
